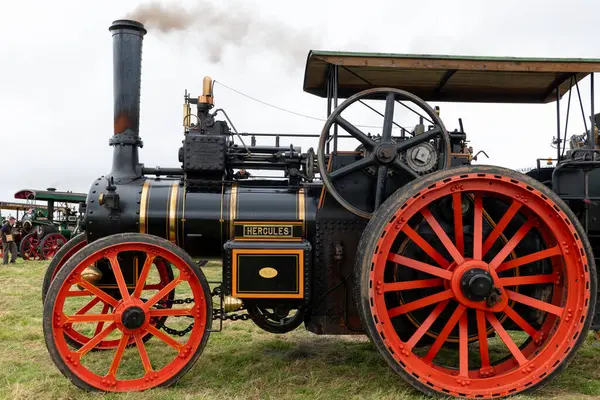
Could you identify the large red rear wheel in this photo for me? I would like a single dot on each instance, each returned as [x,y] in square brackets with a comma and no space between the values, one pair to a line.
[495,308]
[159,362]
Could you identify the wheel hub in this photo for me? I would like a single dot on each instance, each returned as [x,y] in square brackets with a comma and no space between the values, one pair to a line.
[386,152]
[133,318]
[476,284]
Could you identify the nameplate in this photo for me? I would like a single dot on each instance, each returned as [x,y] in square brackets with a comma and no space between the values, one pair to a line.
[257,231]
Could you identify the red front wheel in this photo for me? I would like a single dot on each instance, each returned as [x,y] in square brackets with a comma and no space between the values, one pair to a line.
[127,310]
[476,282]
[51,244]
[30,247]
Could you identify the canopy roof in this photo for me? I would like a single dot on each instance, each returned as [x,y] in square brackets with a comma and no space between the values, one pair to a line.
[6,205]
[45,195]
[449,78]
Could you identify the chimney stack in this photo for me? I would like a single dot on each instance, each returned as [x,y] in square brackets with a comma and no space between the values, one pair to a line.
[127,70]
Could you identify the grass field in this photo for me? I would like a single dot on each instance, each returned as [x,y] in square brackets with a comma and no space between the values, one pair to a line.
[241,362]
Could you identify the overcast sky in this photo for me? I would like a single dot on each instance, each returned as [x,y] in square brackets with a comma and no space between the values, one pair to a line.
[56,74]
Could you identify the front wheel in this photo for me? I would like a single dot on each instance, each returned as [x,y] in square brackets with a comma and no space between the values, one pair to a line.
[51,244]
[129,306]
[476,282]
[30,247]
[60,258]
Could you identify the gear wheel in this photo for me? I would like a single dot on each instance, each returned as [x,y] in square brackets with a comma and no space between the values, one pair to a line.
[422,158]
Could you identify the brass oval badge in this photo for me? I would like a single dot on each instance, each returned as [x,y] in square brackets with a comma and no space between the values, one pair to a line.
[268,272]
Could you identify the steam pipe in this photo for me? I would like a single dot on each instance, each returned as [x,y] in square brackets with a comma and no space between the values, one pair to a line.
[127,70]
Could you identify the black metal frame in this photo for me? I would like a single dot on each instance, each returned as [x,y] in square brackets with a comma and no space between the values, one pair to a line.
[560,152]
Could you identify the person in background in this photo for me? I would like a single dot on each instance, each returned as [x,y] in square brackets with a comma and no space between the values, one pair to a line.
[8,241]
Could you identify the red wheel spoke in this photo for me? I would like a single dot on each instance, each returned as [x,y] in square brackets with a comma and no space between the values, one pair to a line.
[458,222]
[483,340]
[89,306]
[163,292]
[510,344]
[463,351]
[477,227]
[96,339]
[165,338]
[454,253]
[426,247]
[512,314]
[502,224]
[539,255]
[424,327]
[420,266]
[139,343]
[90,317]
[423,302]
[116,267]
[528,280]
[512,243]
[171,312]
[143,276]
[408,285]
[114,366]
[101,323]
[103,296]
[441,339]
[535,303]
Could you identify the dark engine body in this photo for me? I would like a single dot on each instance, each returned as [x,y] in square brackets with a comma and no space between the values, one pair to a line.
[233,220]
[282,241]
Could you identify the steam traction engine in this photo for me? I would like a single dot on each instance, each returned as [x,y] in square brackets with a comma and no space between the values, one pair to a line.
[471,281]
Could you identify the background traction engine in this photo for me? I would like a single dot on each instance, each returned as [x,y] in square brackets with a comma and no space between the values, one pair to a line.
[471,281]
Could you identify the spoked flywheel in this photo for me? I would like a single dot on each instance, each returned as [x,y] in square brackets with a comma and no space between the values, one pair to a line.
[128,305]
[494,273]
[393,161]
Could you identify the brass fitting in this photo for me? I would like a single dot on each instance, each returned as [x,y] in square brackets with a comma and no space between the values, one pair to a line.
[91,274]
[187,115]
[232,304]
[207,97]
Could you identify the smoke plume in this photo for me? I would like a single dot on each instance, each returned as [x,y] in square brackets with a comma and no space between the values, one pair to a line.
[237,27]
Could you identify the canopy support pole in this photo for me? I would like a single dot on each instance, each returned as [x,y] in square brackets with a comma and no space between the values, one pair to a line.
[592,119]
[558,139]
[335,104]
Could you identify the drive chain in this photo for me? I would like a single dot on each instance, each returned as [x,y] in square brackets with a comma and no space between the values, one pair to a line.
[217,314]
